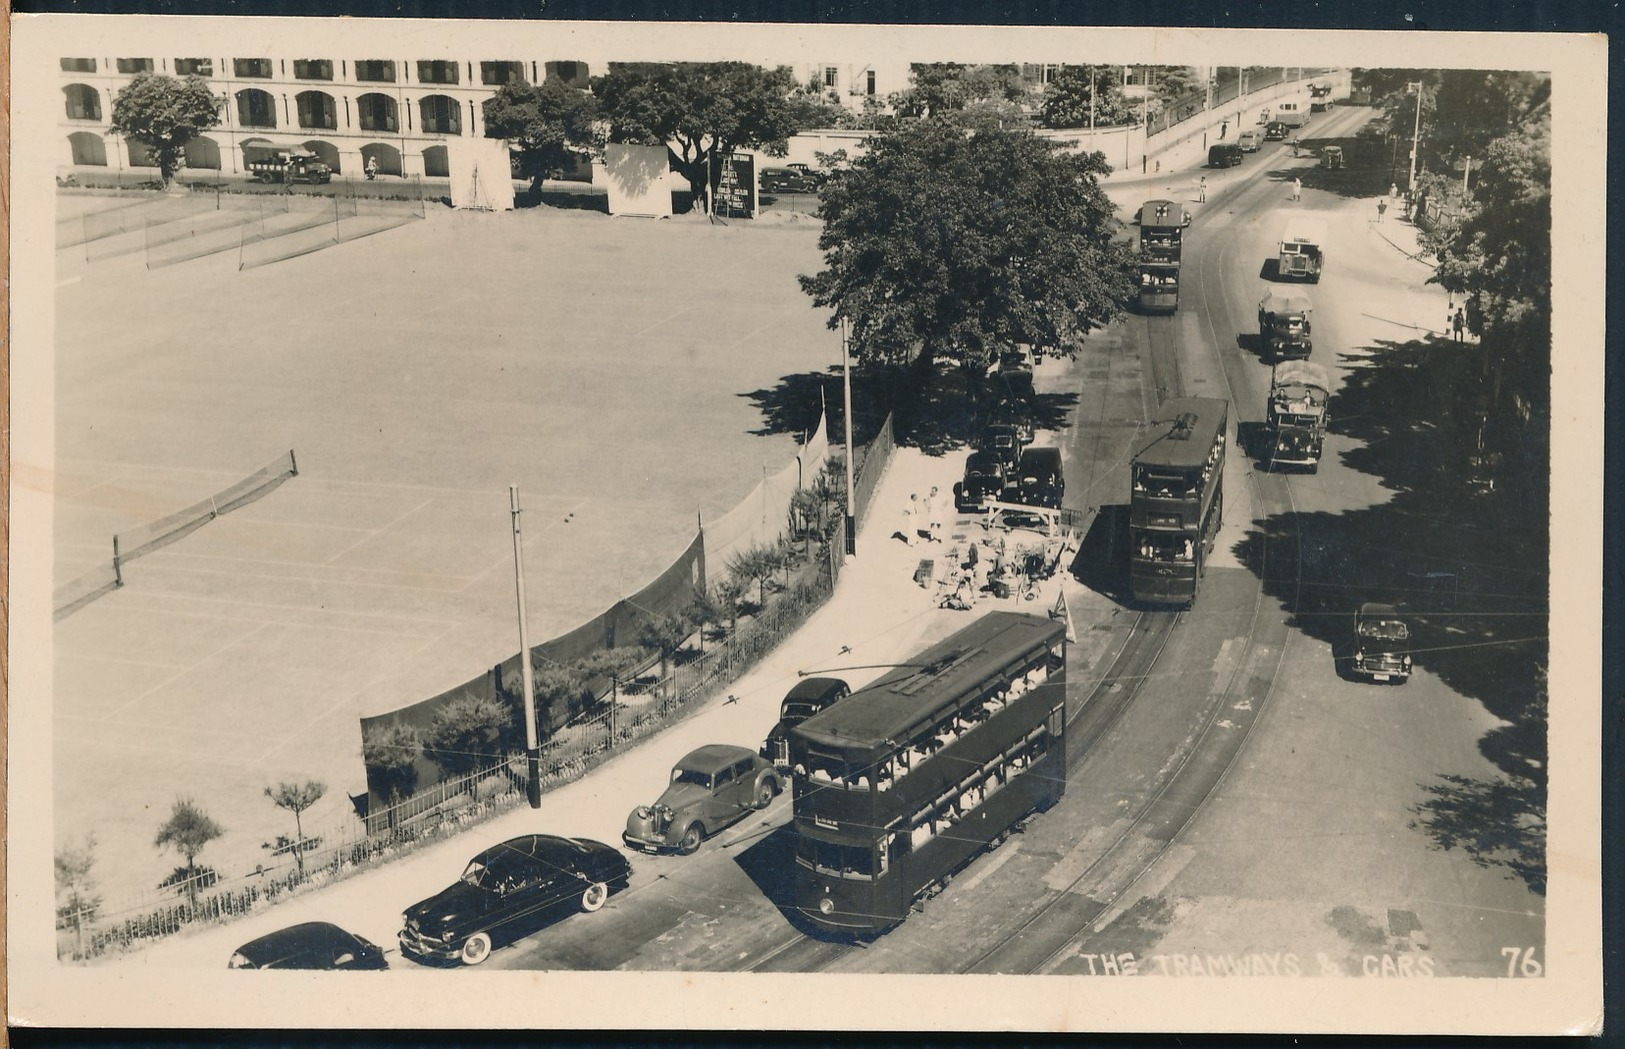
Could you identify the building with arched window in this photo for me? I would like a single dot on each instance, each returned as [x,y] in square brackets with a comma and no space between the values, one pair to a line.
[351,106]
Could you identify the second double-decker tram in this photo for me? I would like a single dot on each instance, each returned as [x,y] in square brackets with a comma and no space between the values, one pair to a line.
[1177,499]
[902,783]
[1162,242]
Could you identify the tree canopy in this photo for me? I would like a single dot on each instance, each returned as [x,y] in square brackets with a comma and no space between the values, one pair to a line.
[296,798]
[1086,96]
[936,88]
[700,111]
[548,124]
[187,831]
[164,113]
[944,244]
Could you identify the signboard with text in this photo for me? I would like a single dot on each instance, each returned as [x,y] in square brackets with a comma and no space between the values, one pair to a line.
[736,190]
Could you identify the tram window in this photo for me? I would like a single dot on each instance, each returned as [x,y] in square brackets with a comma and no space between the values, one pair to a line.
[847,861]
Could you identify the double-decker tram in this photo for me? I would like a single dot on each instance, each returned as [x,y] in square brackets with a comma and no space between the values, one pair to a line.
[902,783]
[1162,242]
[1177,501]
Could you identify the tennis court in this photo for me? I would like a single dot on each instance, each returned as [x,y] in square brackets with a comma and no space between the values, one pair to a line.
[598,363]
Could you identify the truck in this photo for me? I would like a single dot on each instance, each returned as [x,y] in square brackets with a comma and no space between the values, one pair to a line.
[1291,115]
[282,164]
[1284,326]
[1295,417]
[1320,97]
[1301,256]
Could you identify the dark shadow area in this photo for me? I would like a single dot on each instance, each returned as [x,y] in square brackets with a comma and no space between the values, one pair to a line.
[793,405]
[770,863]
[946,410]
[1369,165]
[1252,436]
[1101,563]
[1461,547]
[1253,344]
[1270,270]
[1500,824]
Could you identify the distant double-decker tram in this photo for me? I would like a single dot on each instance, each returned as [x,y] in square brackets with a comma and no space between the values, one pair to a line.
[1162,242]
[902,783]
[1177,500]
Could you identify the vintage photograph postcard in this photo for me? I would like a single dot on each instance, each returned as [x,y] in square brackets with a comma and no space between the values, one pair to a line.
[715,526]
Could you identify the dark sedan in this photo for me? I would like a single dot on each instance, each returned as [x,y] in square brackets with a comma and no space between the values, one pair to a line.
[310,945]
[810,696]
[1382,644]
[507,888]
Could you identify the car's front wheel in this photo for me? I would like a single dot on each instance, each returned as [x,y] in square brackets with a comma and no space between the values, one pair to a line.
[594,896]
[476,948]
[689,844]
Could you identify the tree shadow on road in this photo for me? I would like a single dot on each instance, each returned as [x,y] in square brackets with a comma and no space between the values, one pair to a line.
[1367,170]
[1461,546]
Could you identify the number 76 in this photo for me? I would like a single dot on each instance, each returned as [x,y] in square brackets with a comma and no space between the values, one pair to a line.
[1521,961]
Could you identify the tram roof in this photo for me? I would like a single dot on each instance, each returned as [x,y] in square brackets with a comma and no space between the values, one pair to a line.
[892,708]
[1182,432]
[1172,214]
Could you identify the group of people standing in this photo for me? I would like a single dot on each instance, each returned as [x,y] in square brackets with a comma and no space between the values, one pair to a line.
[924,517]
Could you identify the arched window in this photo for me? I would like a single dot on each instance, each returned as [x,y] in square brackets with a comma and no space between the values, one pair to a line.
[436,164]
[441,115]
[256,108]
[203,152]
[88,148]
[377,112]
[316,109]
[388,158]
[84,102]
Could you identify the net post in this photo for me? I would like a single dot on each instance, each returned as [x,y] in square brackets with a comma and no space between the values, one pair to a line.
[118,565]
[293,464]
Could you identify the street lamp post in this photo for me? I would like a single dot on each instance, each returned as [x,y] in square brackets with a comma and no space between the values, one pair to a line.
[851,523]
[533,754]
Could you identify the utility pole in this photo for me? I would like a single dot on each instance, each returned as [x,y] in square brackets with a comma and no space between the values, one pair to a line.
[1416,134]
[533,754]
[851,507]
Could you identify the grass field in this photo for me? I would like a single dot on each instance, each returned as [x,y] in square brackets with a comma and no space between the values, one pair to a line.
[602,364]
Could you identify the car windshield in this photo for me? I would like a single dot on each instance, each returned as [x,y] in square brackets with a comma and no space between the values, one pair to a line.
[1387,629]
[699,779]
[799,710]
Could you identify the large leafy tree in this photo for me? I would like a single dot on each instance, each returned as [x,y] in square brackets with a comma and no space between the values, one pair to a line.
[944,244]
[1086,96]
[164,113]
[467,733]
[547,124]
[187,831]
[700,111]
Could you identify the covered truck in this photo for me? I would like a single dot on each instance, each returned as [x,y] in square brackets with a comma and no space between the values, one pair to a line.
[1285,325]
[1295,418]
[1302,252]
[277,163]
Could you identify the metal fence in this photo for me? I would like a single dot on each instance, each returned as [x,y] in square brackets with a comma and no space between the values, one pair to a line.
[335,849]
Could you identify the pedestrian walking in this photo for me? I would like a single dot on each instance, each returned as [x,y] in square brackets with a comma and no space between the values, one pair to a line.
[1393,190]
[911,518]
[933,513]
[1201,190]
[1457,323]
[1382,209]
[1297,189]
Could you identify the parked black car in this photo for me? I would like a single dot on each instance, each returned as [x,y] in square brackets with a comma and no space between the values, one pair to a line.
[310,945]
[511,889]
[808,697]
[1038,480]
[1381,644]
[984,479]
[1003,440]
[791,178]
[1275,131]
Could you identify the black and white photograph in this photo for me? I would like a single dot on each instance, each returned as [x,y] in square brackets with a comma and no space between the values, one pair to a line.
[667,526]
